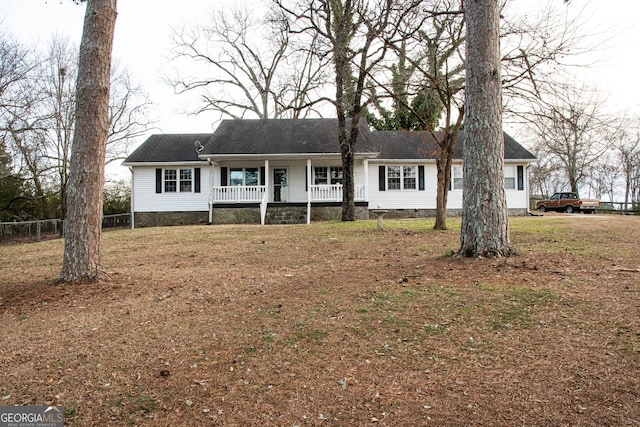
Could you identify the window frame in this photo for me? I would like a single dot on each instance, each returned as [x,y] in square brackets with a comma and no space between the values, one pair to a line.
[174,180]
[245,177]
[510,177]
[327,175]
[170,180]
[457,177]
[402,177]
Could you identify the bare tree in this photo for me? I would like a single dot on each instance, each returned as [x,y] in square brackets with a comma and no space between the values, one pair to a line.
[83,228]
[604,177]
[627,146]
[40,127]
[485,225]
[572,128]
[56,110]
[545,175]
[240,74]
[128,113]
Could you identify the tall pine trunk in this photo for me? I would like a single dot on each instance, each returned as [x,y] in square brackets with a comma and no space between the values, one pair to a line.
[83,225]
[485,225]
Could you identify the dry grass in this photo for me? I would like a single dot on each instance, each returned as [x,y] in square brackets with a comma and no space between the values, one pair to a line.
[331,324]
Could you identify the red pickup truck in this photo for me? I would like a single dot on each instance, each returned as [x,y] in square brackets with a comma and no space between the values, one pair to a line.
[568,202]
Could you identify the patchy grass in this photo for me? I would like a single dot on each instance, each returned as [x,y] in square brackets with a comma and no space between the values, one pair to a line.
[331,323]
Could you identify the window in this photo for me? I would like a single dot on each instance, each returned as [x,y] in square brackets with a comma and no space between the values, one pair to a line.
[251,177]
[510,177]
[393,177]
[323,175]
[170,181]
[185,180]
[243,176]
[320,175]
[402,177]
[336,175]
[409,177]
[457,177]
[178,180]
[235,177]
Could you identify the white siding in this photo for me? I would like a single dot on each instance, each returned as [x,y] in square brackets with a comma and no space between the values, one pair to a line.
[402,199]
[145,198]
[415,199]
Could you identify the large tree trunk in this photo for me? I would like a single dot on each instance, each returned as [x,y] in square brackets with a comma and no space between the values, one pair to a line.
[485,225]
[83,225]
[443,167]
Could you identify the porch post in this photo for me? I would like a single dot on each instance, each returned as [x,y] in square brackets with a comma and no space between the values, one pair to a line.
[212,172]
[308,191]
[365,166]
[266,178]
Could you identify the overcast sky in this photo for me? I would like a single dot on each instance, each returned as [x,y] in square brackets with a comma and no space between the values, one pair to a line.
[143,29]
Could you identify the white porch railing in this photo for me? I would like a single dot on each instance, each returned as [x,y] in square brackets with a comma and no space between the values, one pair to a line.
[253,193]
[333,193]
[257,193]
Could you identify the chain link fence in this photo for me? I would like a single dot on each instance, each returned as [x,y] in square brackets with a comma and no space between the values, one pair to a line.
[33,231]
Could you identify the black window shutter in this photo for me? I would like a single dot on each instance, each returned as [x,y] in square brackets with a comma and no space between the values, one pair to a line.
[158,180]
[263,177]
[306,178]
[421,178]
[520,177]
[196,177]
[382,179]
[223,176]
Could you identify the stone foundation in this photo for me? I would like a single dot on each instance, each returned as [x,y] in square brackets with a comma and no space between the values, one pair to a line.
[334,213]
[431,213]
[236,215]
[155,219]
[291,213]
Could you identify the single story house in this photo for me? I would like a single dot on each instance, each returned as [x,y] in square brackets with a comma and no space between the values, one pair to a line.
[290,171]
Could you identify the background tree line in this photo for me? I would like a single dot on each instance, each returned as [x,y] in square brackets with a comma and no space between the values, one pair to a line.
[37,121]
[410,77]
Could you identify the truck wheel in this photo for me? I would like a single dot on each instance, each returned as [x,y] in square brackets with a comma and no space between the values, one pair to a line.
[542,208]
[569,209]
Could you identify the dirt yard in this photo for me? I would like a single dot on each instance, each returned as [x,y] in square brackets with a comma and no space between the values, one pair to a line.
[331,324]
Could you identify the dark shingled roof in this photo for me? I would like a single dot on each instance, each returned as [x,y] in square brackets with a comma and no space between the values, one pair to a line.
[168,148]
[298,136]
[397,145]
[283,136]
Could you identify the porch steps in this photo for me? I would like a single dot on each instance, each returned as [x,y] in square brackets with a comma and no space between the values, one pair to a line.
[286,215]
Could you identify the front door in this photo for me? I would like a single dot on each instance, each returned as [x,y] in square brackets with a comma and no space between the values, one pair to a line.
[280,189]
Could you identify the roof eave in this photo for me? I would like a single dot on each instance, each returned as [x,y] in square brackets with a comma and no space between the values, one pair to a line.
[281,156]
[173,162]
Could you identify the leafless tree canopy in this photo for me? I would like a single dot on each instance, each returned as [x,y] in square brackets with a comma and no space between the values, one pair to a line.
[572,128]
[237,74]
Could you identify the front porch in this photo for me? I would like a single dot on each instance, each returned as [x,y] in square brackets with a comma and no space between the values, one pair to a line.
[278,208]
